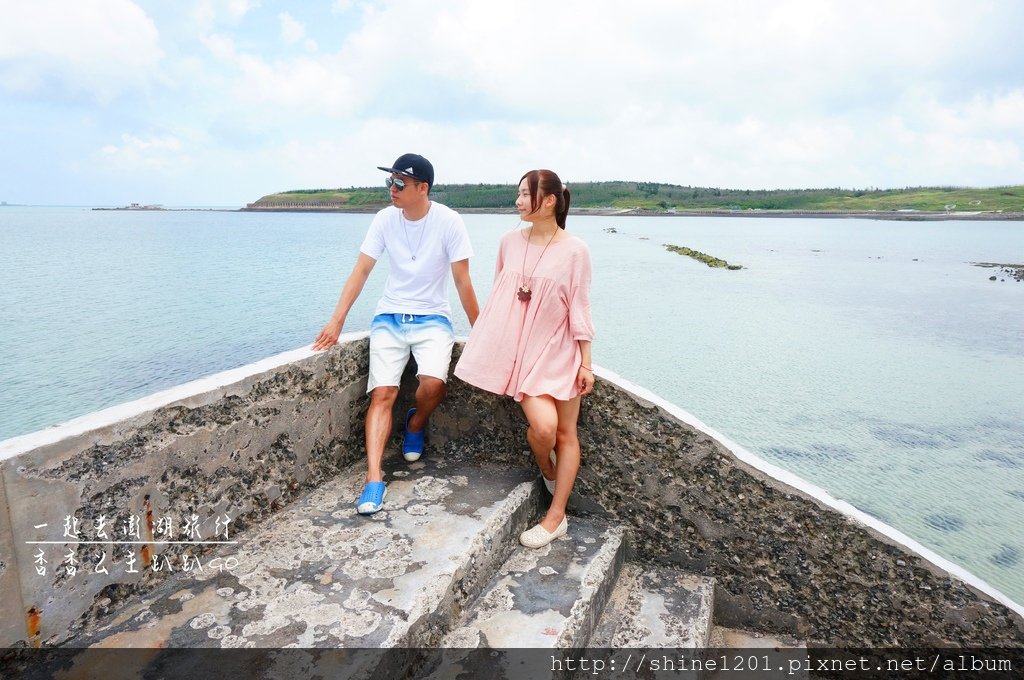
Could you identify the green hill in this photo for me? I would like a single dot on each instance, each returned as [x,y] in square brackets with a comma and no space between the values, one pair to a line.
[661,197]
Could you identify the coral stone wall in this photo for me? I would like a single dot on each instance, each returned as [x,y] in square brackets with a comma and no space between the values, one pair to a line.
[784,560]
[231,454]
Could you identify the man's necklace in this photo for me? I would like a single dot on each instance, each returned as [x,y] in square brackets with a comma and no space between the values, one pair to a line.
[524,293]
[405,228]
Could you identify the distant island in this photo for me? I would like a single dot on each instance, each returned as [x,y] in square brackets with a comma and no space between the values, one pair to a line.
[652,198]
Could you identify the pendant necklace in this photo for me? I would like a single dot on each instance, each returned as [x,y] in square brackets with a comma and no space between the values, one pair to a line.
[405,228]
[524,293]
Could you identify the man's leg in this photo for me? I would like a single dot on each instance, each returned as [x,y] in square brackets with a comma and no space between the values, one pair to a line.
[429,395]
[431,343]
[378,429]
[388,355]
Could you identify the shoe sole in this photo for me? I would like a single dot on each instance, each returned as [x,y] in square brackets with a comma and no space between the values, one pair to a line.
[370,508]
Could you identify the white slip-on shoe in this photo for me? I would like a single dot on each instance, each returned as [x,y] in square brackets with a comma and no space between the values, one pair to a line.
[538,536]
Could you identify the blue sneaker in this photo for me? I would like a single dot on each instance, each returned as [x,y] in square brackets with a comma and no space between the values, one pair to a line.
[372,499]
[412,447]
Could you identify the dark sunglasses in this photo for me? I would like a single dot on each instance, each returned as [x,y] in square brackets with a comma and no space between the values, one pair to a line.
[398,182]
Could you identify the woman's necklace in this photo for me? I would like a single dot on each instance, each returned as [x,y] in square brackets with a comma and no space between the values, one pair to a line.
[524,293]
[405,228]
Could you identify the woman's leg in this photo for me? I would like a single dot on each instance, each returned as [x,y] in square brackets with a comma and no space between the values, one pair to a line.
[553,425]
[567,450]
[542,415]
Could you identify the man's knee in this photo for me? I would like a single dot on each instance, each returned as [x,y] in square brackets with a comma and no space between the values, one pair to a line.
[430,387]
[383,396]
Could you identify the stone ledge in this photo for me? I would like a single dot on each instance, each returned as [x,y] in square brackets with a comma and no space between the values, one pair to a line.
[233,454]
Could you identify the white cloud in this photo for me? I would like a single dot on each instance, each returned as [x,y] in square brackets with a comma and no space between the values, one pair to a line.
[153,154]
[220,46]
[206,14]
[301,86]
[584,60]
[239,8]
[734,94]
[95,47]
[292,31]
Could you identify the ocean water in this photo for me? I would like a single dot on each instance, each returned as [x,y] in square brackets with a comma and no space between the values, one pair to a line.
[868,357]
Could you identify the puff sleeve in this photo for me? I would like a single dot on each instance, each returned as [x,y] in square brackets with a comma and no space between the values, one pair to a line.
[581,324]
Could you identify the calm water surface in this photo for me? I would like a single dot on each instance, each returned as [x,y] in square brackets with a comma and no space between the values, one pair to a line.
[868,357]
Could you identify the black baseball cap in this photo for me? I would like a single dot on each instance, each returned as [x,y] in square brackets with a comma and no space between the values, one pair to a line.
[412,165]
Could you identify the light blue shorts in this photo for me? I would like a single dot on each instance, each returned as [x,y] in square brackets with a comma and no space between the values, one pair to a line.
[429,338]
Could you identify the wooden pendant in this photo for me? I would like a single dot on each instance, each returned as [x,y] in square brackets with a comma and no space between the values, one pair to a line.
[524,293]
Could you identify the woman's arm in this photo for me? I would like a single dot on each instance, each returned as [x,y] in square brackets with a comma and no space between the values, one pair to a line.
[585,373]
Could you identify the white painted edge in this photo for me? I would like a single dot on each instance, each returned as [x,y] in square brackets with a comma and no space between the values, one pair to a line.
[109,416]
[812,490]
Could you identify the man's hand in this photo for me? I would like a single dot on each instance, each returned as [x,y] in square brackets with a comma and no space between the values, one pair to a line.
[328,336]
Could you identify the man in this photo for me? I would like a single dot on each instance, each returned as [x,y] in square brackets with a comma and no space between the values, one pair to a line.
[422,239]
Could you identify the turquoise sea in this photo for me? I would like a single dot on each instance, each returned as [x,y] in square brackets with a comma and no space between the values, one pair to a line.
[868,357]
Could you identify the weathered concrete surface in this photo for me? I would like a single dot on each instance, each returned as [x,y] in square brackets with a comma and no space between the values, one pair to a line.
[13,626]
[733,638]
[549,597]
[319,575]
[225,457]
[655,607]
[546,598]
[784,560]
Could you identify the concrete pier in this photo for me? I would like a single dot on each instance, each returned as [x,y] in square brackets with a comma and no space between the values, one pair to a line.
[221,514]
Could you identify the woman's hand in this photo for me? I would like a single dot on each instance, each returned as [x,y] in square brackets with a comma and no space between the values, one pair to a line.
[585,380]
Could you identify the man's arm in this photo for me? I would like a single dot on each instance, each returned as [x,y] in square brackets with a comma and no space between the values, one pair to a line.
[353,286]
[464,284]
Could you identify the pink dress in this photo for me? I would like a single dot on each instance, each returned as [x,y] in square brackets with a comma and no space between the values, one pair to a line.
[530,348]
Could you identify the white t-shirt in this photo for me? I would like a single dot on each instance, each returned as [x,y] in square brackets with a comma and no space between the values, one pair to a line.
[420,285]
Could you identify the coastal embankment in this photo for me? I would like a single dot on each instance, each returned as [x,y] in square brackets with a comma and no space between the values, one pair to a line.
[230,454]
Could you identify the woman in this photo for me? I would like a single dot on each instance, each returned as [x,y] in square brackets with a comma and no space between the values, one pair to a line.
[532,340]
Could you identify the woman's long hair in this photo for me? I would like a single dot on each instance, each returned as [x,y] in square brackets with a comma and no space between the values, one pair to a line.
[546,183]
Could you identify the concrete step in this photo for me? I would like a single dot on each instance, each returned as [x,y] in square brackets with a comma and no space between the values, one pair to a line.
[544,599]
[734,638]
[317,574]
[768,651]
[657,607]
[548,598]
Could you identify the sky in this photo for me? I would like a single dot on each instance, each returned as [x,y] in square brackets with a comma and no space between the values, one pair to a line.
[218,102]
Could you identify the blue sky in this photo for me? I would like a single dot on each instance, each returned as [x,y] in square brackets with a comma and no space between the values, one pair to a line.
[217,102]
